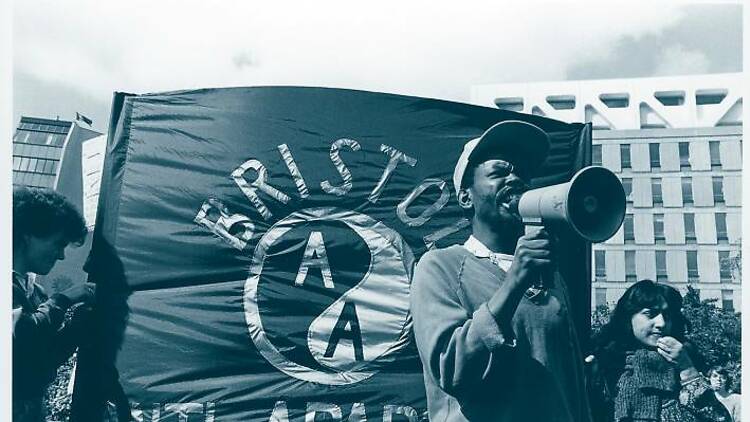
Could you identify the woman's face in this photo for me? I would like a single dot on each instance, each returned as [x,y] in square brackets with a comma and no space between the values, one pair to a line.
[649,325]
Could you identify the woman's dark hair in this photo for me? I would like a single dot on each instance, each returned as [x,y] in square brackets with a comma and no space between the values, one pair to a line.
[616,337]
[43,212]
[645,294]
[719,370]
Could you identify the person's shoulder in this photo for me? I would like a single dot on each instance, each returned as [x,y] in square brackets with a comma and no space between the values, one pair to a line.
[447,254]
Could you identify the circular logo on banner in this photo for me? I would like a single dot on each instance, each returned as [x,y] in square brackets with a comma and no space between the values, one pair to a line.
[327,299]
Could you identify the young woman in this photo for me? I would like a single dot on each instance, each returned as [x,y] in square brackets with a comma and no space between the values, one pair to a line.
[643,365]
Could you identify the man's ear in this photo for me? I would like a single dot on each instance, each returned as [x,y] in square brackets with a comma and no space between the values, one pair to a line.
[465,199]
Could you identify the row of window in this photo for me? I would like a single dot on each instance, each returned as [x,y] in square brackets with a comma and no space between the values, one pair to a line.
[686,184]
[725,265]
[34,179]
[44,128]
[39,138]
[688,220]
[655,156]
[37,151]
[35,165]
[727,297]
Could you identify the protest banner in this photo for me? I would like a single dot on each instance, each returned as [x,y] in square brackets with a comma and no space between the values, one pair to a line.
[254,247]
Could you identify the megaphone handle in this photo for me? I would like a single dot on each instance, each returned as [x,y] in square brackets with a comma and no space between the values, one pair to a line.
[547,278]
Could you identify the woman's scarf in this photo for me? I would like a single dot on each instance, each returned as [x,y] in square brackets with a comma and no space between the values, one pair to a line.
[647,382]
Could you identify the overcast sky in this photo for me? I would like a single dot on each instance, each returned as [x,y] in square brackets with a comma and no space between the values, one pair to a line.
[71,55]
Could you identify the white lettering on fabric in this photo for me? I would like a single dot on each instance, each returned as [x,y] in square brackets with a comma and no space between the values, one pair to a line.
[389,410]
[261,183]
[205,412]
[346,175]
[279,413]
[286,154]
[358,413]
[185,412]
[315,256]
[396,157]
[250,189]
[316,407]
[225,224]
[182,410]
[429,211]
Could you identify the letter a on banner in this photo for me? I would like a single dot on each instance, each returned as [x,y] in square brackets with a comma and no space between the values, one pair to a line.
[349,319]
[315,256]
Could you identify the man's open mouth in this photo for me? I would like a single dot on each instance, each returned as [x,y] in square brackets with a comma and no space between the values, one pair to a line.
[508,198]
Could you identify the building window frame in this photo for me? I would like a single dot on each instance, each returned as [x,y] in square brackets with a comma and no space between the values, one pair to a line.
[661,266]
[714,154]
[727,299]
[684,151]
[628,229]
[625,159]
[717,185]
[654,156]
[627,186]
[656,191]
[659,228]
[725,266]
[688,220]
[720,218]
[630,268]
[600,266]
[596,154]
[692,266]
[686,183]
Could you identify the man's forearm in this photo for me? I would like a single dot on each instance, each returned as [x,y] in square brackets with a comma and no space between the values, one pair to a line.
[504,302]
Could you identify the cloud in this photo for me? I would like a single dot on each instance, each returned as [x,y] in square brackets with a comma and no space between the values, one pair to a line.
[244,59]
[692,44]
[414,48]
[677,60]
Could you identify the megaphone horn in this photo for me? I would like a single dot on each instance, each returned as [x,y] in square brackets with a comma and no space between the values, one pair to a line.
[592,204]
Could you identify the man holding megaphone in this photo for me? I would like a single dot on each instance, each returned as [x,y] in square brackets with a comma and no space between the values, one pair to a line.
[496,338]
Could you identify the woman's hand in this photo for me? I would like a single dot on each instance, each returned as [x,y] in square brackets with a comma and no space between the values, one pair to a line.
[674,351]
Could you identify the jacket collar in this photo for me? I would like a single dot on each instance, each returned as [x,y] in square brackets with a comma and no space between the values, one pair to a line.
[476,247]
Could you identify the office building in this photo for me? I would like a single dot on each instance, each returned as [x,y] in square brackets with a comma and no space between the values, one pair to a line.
[39,146]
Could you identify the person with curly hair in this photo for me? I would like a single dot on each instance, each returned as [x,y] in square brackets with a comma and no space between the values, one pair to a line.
[719,378]
[645,366]
[44,224]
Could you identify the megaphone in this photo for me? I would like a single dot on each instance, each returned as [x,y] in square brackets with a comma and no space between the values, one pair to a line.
[592,204]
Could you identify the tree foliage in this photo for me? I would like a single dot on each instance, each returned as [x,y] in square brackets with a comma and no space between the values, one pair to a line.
[715,332]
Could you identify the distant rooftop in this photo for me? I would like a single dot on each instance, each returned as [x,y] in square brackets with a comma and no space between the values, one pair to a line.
[632,103]
[40,121]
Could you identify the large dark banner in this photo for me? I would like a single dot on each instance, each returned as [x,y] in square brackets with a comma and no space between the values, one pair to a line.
[254,249]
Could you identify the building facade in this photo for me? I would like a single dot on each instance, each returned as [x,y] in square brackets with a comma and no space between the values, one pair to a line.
[37,151]
[676,144]
[39,147]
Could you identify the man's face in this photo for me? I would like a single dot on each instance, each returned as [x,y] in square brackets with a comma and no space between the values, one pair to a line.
[496,184]
[42,253]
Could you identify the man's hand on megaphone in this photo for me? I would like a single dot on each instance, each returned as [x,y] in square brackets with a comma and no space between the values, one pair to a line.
[533,255]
